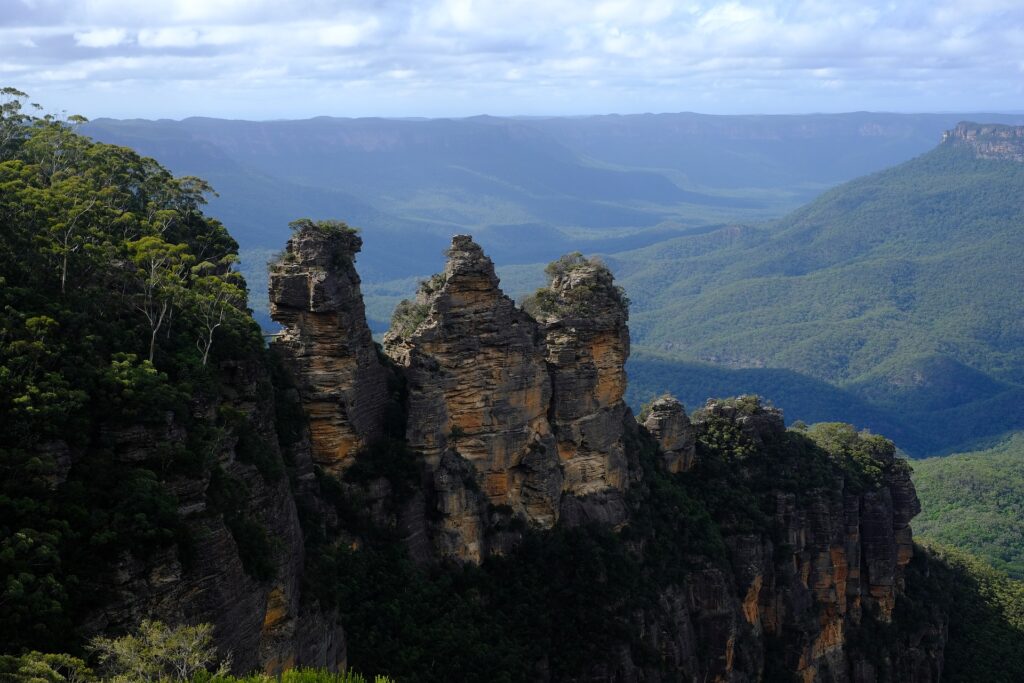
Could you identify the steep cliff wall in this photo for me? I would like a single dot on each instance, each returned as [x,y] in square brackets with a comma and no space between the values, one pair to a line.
[315,295]
[988,141]
[582,315]
[240,557]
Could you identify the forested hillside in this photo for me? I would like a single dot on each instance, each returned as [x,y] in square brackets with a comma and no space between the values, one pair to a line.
[975,501]
[135,438]
[901,290]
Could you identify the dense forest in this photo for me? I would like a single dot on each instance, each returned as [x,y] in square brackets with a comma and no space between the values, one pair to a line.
[118,299]
[975,501]
[883,302]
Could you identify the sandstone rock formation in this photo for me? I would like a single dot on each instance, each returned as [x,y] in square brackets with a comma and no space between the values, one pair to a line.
[315,295]
[988,141]
[520,417]
[583,317]
[668,423]
[264,623]
[479,393]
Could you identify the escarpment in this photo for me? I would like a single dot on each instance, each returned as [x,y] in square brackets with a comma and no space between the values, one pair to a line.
[315,295]
[240,556]
[790,552]
[988,141]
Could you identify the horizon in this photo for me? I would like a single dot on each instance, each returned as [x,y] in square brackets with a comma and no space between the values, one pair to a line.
[863,112]
[259,60]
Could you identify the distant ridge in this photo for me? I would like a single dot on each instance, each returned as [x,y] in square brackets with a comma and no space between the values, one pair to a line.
[988,140]
[902,288]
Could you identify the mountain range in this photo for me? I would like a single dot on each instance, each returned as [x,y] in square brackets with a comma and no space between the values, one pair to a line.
[888,301]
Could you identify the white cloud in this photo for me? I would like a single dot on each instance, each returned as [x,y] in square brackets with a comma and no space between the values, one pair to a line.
[347,34]
[528,55]
[101,37]
[173,36]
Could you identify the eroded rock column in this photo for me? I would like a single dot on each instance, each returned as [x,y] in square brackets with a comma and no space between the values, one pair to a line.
[478,402]
[583,317]
[315,295]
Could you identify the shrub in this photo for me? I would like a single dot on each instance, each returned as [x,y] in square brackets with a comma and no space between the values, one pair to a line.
[158,652]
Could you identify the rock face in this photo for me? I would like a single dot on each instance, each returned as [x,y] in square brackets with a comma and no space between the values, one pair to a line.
[988,141]
[479,394]
[804,601]
[262,622]
[519,416]
[668,423]
[583,317]
[315,295]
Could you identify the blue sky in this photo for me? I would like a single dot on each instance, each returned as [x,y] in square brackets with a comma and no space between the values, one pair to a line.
[262,59]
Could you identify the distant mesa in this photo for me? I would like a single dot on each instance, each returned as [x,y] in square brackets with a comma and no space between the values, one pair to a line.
[988,140]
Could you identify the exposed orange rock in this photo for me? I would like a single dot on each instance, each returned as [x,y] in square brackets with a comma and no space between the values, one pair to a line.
[315,295]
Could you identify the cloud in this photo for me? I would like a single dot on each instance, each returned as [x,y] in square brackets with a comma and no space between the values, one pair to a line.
[103,37]
[262,58]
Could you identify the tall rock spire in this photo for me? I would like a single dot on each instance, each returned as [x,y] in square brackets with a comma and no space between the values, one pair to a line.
[583,315]
[479,393]
[315,295]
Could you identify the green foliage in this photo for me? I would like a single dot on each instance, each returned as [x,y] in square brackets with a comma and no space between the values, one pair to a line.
[433,284]
[325,227]
[975,502]
[118,302]
[37,667]
[564,265]
[886,297]
[863,456]
[301,675]
[159,653]
[563,594]
[408,316]
[582,299]
[986,610]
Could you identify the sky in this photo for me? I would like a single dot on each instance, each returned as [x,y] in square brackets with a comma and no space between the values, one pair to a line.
[269,59]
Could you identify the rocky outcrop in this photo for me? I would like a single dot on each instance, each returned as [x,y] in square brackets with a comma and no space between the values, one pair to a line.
[518,416]
[988,141]
[668,424]
[315,295]
[806,596]
[478,401]
[583,315]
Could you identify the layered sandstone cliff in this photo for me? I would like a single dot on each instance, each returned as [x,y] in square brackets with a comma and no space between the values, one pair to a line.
[515,418]
[988,141]
[253,595]
[479,393]
[315,296]
[519,416]
[582,315]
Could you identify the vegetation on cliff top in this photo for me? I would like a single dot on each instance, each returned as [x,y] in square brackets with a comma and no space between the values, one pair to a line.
[118,301]
[154,653]
[580,300]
